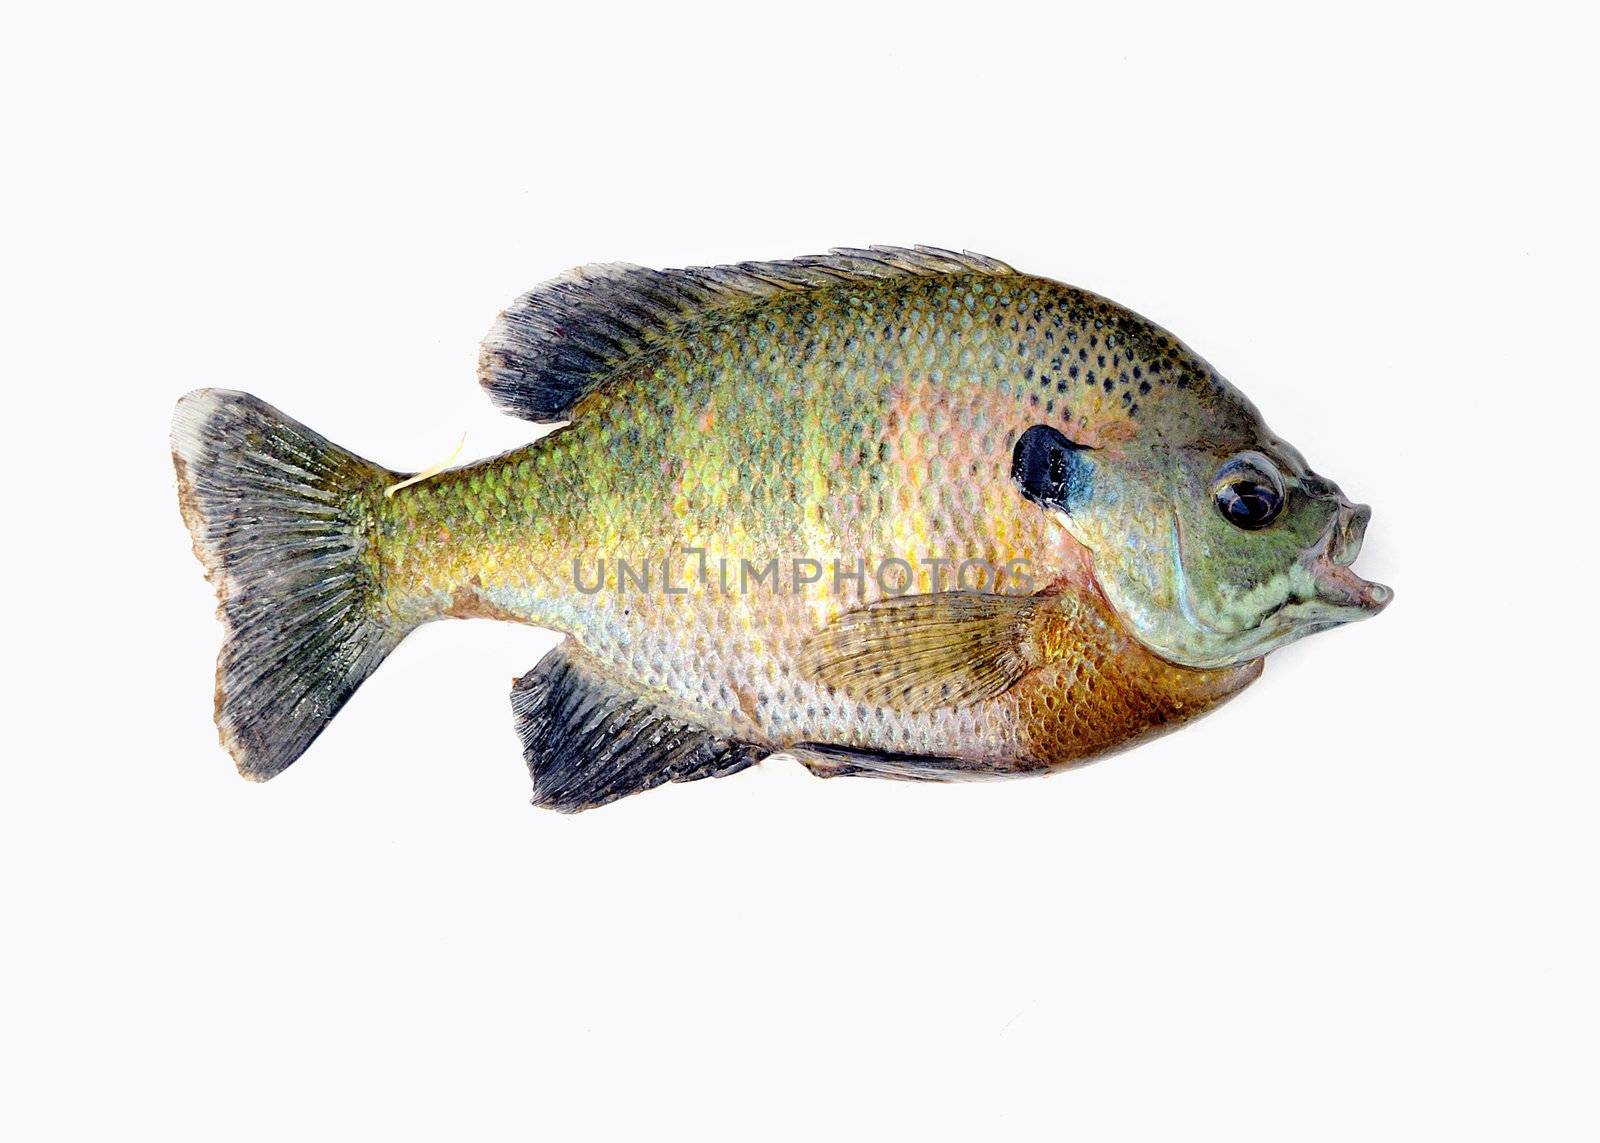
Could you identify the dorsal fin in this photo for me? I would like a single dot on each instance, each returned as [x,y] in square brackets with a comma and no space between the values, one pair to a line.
[562,339]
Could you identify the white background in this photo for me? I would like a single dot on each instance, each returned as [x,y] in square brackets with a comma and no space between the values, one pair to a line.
[1356,903]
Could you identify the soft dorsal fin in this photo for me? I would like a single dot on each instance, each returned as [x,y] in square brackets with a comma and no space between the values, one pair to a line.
[562,339]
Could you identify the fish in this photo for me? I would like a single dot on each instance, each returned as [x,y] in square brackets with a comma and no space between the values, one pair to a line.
[892,512]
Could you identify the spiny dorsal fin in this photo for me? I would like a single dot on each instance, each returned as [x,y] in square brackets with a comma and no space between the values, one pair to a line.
[923,652]
[562,339]
[588,740]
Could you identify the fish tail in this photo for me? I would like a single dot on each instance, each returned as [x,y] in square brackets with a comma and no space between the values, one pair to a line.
[285,523]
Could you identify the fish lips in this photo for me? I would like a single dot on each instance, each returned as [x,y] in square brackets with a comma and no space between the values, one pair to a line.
[1338,594]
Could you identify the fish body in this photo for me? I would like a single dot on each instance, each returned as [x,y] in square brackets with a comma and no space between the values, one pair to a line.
[895,512]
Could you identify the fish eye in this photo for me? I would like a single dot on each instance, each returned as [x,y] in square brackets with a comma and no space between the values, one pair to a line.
[1249,491]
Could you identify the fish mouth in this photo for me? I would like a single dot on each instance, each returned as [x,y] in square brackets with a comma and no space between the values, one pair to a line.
[1336,594]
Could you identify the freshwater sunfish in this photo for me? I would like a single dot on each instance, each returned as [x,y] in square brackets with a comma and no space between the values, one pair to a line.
[906,513]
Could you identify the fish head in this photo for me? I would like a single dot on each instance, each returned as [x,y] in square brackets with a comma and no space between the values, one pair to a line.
[1212,539]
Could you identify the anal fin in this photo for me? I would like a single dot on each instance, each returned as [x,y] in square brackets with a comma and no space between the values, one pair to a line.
[589,741]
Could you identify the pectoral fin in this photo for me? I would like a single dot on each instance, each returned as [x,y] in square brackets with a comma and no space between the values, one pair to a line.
[923,652]
[588,740]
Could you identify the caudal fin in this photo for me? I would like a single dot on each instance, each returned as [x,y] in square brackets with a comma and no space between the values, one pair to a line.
[283,521]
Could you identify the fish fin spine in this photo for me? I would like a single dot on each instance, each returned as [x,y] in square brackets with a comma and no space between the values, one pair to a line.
[284,522]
